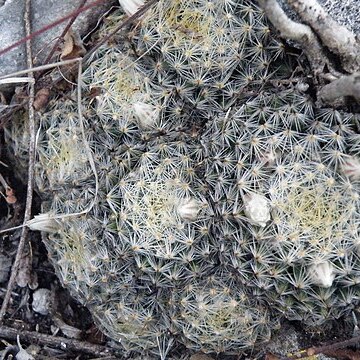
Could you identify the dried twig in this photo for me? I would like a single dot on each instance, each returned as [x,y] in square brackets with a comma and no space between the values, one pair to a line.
[66,29]
[57,342]
[323,349]
[50,26]
[300,33]
[343,354]
[29,194]
[340,40]
[335,37]
[37,68]
[345,86]
[128,21]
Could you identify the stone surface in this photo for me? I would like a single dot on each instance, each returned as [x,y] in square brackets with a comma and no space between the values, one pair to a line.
[43,13]
[41,301]
[345,12]
[284,342]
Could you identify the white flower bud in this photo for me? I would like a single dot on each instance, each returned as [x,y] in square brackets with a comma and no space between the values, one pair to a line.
[145,114]
[302,87]
[269,158]
[322,274]
[257,209]
[43,222]
[131,6]
[351,167]
[188,209]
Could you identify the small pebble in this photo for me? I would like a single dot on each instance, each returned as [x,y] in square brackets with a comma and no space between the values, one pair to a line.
[41,301]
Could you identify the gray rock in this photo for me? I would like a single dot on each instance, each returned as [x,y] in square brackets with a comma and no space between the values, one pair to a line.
[345,12]
[41,301]
[284,342]
[43,12]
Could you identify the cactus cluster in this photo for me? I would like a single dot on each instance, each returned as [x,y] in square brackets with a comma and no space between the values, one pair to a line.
[222,200]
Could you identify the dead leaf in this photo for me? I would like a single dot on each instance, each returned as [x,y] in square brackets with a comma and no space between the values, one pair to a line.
[10,196]
[26,276]
[73,47]
[41,99]
[2,99]
[9,192]
[94,92]
[69,331]
[94,335]
[200,356]
[270,356]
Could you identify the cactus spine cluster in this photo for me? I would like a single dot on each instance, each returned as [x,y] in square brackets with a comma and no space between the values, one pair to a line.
[223,200]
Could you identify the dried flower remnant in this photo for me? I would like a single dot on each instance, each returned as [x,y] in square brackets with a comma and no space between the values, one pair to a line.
[257,209]
[188,209]
[351,167]
[146,114]
[131,6]
[43,222]
[322,274]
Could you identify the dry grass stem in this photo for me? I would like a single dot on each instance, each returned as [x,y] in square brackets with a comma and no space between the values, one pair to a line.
[30,184]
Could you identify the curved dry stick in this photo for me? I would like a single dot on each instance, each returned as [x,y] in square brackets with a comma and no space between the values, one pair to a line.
[300,33]
[323,349]
[49,26]
[57,342]
[128,21]
[337,38]
[61,37]
[345,86]
[30,184]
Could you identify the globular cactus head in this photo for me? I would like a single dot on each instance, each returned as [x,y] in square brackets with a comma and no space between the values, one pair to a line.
[215,315]
[201,203]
